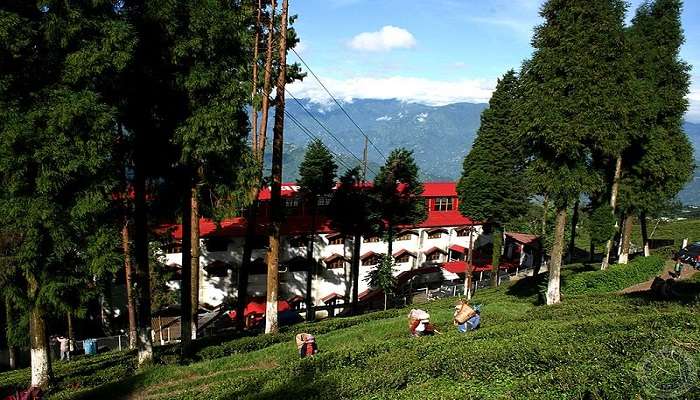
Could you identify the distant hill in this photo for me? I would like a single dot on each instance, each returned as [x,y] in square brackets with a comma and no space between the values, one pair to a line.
[440,136]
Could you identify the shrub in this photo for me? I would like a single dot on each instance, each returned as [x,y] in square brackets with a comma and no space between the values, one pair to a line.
[615,278]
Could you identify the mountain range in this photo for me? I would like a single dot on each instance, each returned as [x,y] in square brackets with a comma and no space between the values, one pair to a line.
[440,136]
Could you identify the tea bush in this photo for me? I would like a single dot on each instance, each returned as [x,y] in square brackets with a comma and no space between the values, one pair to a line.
[615,278]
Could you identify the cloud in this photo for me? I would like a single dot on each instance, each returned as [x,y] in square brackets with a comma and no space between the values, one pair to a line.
[522,27]
[385,39]
[693,113]
[413,90]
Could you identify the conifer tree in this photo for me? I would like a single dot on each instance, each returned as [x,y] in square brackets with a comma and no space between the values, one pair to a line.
[491,187]
[660,160]
[56,145]
[571,103]
[397,192]
[352,214]
[316,179]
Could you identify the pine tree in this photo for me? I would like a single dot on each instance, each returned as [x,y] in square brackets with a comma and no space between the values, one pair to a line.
[660,160]
[316,179]
[397,192]
[352,214]
[571,103]
[491,186]
[56,146]
[382,277]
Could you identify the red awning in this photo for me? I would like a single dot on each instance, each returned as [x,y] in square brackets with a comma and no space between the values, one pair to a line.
[456,267]
[458,248]
[332,296]
[257,305]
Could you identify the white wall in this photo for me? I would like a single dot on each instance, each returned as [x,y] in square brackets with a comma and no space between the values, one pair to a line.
[213,289]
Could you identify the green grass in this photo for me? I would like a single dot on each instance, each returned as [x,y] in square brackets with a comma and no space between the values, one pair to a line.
[588,347]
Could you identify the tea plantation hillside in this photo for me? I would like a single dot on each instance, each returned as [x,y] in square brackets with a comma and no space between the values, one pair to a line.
[597,344]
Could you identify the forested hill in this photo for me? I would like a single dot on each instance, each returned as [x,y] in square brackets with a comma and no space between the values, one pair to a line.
[440,136]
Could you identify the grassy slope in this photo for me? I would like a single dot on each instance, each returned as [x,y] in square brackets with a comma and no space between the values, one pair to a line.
[587,346]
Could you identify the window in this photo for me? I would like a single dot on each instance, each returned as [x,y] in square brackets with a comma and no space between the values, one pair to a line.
[298,241]
[435,256]
[218,269]
[174,247]
[324,201]
[434,235]
[442,204]
[403,258]
[337,239]
[336,264]
[370,239]
[216,244]
[371,260]
[292,206]
[405,236]
[463,232]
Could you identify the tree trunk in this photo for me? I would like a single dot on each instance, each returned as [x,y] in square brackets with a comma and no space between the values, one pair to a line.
[355,271]
[195,249]
[186,268]
[468,274]
[591,251]
[71,333]
[11,350]
[545,204]
[385,300]
[271,324]
[497,240]
[554,284]
[390,242]
[645,233]
[130,303]
[40,355]
[254,89]
[143,278]
[613,202]
[242,294]
[311,263]
[572,240]
[258,151]
[626,236]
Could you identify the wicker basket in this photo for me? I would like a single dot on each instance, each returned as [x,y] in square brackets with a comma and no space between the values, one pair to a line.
[464,313]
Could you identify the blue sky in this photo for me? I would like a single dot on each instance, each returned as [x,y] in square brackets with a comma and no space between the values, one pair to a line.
[432,51]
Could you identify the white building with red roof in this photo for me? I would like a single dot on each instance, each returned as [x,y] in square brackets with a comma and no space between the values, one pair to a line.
[442,237]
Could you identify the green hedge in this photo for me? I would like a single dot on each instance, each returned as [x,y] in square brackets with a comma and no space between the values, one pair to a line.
[615,278]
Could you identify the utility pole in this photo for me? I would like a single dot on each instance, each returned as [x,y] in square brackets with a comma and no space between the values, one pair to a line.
[271,325]
[364,162]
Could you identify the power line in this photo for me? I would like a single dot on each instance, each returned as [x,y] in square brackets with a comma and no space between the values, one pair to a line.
[326,129]
[338,103]
[308,131]
[312,137]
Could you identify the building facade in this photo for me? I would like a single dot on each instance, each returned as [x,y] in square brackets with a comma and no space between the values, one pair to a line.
[443,236]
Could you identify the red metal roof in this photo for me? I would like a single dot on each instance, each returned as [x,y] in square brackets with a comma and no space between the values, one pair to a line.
[402,252]
[333,257]
[433,250]
[368,254]
[298,224]
[458,248]
[332,296]
[524,238]
[439,189]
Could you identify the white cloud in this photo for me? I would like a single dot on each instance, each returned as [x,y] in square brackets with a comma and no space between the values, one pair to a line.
[387,38]
[413,90]
[384,118]
[693,113]
[421,117]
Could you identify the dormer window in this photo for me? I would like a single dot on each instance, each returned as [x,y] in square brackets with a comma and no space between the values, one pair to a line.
[442,204]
